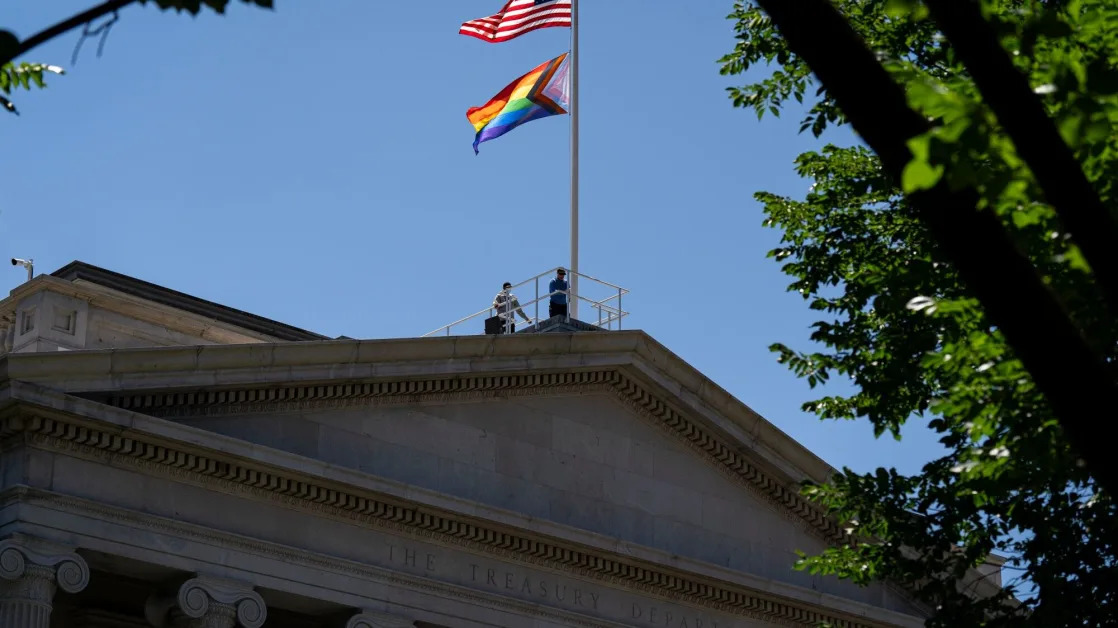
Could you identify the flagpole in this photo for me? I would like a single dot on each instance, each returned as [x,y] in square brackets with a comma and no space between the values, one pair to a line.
[573,300]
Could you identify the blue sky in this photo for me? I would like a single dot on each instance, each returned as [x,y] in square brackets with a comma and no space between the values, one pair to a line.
[313,164]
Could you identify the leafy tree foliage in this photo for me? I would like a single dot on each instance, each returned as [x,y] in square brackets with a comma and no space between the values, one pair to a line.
[900,324]
[24,75]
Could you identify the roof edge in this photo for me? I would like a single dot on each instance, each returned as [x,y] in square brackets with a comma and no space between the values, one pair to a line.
[57,405]
[81,271]
[162,368]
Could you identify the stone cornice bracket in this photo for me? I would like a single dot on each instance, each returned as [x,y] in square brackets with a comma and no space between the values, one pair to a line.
[209,603]
[374,619]
[20,559]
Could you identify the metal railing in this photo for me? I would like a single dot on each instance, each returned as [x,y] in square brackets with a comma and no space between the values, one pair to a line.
[608,308]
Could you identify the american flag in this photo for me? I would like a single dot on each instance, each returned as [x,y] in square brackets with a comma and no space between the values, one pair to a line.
[518,17]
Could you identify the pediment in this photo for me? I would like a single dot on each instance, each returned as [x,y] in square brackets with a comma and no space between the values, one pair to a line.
[618,440]
[588,415]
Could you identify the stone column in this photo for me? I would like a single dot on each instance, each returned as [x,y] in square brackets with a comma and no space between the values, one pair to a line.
[373,619]
[30,574]
[206,602]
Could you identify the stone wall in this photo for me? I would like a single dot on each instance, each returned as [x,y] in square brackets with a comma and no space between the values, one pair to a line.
[138,490]
[584,461]
[48,314]
[191,528]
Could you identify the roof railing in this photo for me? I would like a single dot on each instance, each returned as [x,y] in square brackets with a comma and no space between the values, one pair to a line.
[608,307]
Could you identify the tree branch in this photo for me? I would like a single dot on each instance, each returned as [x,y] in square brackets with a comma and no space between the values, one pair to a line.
[1035,136]
[1072,375]
[66,25]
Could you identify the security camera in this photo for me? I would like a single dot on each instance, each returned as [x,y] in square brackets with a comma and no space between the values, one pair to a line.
[29,264]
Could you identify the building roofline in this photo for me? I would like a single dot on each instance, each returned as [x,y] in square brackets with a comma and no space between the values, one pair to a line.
[384,498]
[193,367]
[81,271]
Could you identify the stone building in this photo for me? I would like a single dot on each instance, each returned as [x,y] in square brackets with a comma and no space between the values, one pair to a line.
[169,461]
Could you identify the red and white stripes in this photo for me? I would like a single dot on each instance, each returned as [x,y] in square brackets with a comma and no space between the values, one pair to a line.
[519,17]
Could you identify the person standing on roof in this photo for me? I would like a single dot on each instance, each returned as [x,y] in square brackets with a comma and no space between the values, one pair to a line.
[558,289]
[507,306]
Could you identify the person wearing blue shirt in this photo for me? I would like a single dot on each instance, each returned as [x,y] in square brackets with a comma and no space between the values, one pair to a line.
[558,289]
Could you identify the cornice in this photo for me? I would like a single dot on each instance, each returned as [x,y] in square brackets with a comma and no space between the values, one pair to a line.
[283,364]
[294,556]
[320,497]
[711,447]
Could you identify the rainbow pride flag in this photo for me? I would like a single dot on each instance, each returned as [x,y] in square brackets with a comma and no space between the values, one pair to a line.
[538,94]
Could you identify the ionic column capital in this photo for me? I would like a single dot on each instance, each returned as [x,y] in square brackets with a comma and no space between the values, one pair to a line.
[206,602]
[21,558]
[30,573]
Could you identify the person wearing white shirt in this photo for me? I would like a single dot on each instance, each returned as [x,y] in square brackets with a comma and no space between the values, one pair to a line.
[507,307]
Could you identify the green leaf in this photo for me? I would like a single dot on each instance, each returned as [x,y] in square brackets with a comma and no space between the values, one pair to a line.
[900,8]
[1097,130]
[919,174]
[1006,480]
[1075,259]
